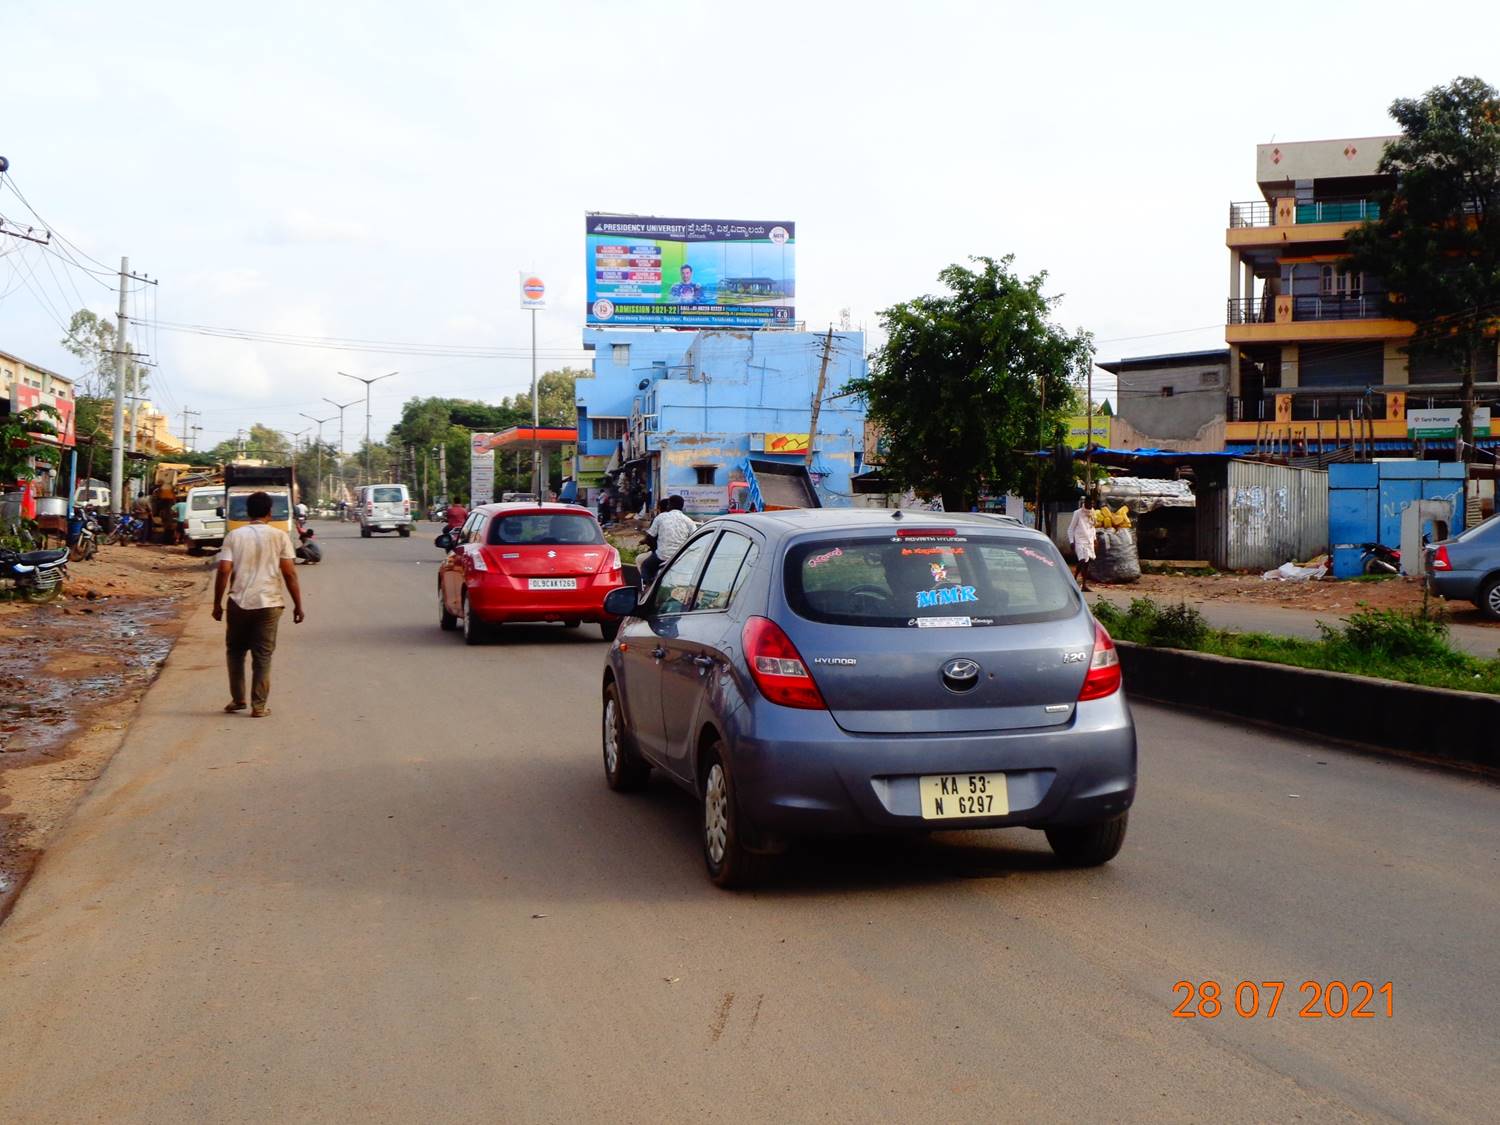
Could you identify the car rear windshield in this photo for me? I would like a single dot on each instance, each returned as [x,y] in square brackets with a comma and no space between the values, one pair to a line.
[386,495]
[929,582]
[281,506]
[545,529]
[205,501]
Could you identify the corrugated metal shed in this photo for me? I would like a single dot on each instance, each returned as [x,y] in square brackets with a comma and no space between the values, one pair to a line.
[1271,514]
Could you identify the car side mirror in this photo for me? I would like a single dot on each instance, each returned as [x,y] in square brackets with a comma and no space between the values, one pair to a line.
[622,601]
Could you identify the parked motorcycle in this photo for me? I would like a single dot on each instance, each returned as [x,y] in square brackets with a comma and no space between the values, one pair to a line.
[308,549]
[127,529]
[83,535]
[38,575]
[1380,559]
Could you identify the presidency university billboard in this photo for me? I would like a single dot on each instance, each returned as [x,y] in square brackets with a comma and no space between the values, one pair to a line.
[699,273]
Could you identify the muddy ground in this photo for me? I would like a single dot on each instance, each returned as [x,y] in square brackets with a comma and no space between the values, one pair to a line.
[71,674]
[1326,595]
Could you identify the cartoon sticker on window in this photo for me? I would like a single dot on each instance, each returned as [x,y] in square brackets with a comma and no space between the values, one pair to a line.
[939,572]
[948,595]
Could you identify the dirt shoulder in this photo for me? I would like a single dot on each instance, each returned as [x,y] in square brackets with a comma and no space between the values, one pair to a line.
[74,671]
[1322,596]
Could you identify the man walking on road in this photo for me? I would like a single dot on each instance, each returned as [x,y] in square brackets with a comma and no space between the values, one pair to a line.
[253,563]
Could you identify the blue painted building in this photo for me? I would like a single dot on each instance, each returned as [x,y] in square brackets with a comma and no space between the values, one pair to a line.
[712,414]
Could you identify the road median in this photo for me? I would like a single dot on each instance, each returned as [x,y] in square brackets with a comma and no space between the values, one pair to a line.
[1441,723]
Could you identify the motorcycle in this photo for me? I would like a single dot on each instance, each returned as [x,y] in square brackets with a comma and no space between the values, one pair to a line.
[38,575]
[127,529]
[1380,559]
[83,535]
[308,549]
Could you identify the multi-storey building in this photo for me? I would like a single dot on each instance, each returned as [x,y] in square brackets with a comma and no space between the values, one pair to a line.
[697,413]
[24,385]
[1315,358]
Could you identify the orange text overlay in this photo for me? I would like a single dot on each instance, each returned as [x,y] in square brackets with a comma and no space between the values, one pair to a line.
[1312,1000]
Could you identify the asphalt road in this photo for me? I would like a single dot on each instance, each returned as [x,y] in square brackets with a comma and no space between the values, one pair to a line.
[407,896]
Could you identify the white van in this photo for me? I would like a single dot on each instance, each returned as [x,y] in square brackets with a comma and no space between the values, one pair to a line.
[384,507]
[205,526]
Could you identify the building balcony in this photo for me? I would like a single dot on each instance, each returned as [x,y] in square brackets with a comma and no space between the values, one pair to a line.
[1283,319]
[1348,211]
[1253,213]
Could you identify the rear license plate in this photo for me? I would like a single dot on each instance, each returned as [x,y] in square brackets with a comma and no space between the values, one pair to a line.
[552,583]
[946,796]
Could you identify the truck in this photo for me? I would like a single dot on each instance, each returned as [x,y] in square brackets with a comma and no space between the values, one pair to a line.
[275,480]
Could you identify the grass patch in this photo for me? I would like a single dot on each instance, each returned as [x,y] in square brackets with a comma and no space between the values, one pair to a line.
[1411,648]
[628,555]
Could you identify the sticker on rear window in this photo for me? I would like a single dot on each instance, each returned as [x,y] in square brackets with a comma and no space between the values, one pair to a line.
[946,595]
[1030,554]
[932,550]
[929,539]
[942,622]
[819,560]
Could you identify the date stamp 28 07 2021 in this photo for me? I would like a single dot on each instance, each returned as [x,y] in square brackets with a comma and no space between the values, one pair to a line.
[1356,1000]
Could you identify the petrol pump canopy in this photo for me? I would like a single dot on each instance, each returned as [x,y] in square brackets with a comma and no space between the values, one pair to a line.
[524,437]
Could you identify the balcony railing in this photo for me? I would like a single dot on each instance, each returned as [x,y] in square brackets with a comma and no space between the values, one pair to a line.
[1339,308]
[1338,211]
[1255,213]
[1249,310]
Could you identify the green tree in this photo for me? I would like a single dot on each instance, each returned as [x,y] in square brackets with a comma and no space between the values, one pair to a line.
[1436,244]
[19,449]
[557,402]
[91,339]
[959,386]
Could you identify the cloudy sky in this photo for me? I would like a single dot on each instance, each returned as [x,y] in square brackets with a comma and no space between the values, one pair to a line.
[381,171]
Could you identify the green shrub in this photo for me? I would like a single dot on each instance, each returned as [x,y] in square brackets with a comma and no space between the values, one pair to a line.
[1178,626]
[1391,634]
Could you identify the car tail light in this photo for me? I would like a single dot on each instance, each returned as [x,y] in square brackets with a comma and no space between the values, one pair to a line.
[777,666]
[926,533]
[1440,559]
[408,507]
[611,563]
[477,558]
[1104,670]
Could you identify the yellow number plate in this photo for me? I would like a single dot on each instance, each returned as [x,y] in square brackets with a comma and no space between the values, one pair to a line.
[946,796]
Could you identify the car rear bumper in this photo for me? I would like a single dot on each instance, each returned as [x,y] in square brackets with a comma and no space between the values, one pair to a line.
[498,605]
[800,774]
[1459,585]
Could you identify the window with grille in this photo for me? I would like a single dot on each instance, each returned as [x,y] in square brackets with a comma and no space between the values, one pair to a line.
[607,429]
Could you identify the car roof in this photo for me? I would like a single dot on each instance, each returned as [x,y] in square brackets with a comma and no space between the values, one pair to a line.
[521,507]
[795,521]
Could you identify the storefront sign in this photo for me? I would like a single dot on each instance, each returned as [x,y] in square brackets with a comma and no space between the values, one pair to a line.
[1444,423]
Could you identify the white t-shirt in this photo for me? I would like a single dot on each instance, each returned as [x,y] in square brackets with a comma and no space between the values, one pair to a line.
[256,550]
[671,530]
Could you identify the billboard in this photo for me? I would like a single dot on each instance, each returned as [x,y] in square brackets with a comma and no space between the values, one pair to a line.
[1444,422]
[698,273]
[481,468]
[1079,431]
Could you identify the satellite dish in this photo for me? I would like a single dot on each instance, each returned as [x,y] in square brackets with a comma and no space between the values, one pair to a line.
[643,384]
[4,165]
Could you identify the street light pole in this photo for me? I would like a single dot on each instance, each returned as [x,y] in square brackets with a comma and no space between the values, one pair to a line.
[341,406]
[367,382]
[319,422]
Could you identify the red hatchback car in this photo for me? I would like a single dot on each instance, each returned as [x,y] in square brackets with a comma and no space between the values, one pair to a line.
[527,562]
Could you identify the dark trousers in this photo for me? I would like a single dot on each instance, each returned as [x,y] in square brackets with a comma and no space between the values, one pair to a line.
[250,631]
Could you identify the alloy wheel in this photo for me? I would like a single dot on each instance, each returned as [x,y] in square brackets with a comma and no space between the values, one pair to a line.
[716,814]
[611,737]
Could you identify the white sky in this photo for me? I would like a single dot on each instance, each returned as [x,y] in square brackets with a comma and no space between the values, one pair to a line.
[382,170]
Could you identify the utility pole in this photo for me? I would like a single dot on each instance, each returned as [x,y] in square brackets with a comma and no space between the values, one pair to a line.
[197,429]
[117,447]
[1041,421]
[817,402]
[367,382]
[135,419]
[185,413]
[443,469]
[1088,448]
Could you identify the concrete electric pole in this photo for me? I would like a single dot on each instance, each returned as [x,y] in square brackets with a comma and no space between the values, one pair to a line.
[117,445]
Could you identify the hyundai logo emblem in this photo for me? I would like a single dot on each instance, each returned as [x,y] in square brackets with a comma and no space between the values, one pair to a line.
[960,674]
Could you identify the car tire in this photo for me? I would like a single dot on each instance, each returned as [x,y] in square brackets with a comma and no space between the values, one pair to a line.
[405,533]
[364,533]
[1489,599]
[1089,845]
[474,629]
[610,629]
[446,621]
[624,770]
[572,623]
[729,863]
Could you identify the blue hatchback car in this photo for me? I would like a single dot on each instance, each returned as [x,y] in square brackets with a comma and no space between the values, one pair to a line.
[814,672]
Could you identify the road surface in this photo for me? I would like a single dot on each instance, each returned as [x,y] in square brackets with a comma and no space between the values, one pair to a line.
[408,896]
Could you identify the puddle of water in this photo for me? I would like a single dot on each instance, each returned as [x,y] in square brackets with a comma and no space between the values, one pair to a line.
[40,709]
